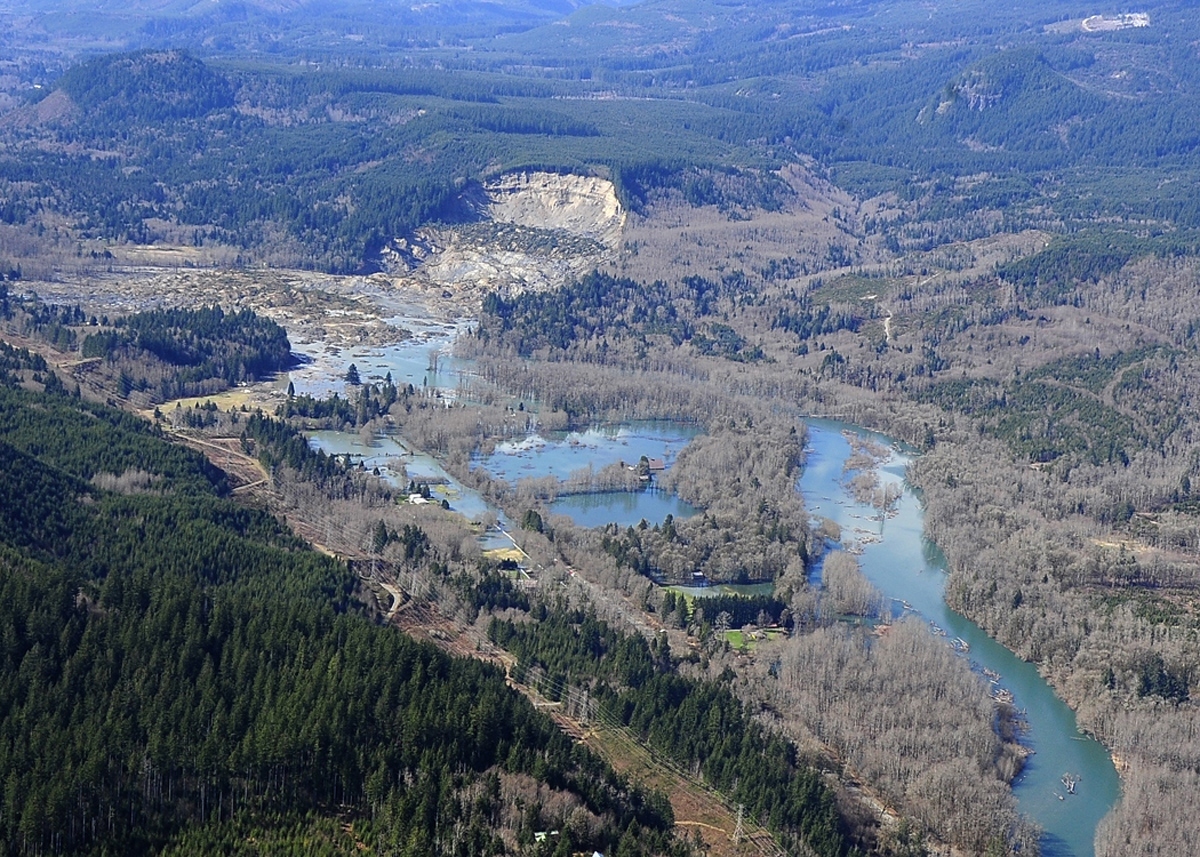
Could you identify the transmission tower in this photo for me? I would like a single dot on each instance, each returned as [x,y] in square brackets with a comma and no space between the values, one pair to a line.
[738,830]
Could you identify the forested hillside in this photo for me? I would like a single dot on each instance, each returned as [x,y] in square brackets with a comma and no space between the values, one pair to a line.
[178,353]
[697,724]
[180,669]
[153,355]
[973,227]
[971,124]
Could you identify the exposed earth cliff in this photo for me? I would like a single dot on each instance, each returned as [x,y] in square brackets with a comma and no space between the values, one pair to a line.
[522,232]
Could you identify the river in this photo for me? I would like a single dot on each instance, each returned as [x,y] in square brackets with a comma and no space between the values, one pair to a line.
[896,556]
[907,567]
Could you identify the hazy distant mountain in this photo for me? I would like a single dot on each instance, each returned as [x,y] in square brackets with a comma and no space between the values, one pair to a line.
[88,26]
[193,8]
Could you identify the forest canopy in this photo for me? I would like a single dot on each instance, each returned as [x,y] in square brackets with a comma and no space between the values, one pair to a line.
[183,352]
[1057,127]
[172,662]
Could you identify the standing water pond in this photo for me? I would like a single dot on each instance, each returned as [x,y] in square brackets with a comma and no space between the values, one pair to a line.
[564,454]
[895,555]
[424,360]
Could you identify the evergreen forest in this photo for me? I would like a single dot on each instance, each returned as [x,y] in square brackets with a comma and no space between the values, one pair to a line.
[971,226]
[181,672]
[282,156]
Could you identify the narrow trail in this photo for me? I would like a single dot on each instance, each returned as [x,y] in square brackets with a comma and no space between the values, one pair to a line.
[398,600]
[697,807]
[225,454]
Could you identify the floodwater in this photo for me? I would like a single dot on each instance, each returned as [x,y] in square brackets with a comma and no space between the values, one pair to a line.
[423,360]
[398,464]
[908,568]
[562,454]
[623,508]
[558,455]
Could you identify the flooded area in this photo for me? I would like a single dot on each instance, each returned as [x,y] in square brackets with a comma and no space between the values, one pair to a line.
[398,464]
[423,359]
[564,455]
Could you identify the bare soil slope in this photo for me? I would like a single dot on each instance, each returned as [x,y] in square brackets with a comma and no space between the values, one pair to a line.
[521,232]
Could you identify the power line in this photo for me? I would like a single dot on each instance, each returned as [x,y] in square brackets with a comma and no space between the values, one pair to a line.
[762,840]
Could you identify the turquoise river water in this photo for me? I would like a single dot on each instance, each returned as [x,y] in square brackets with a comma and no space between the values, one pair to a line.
[907,567]
[895,555]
